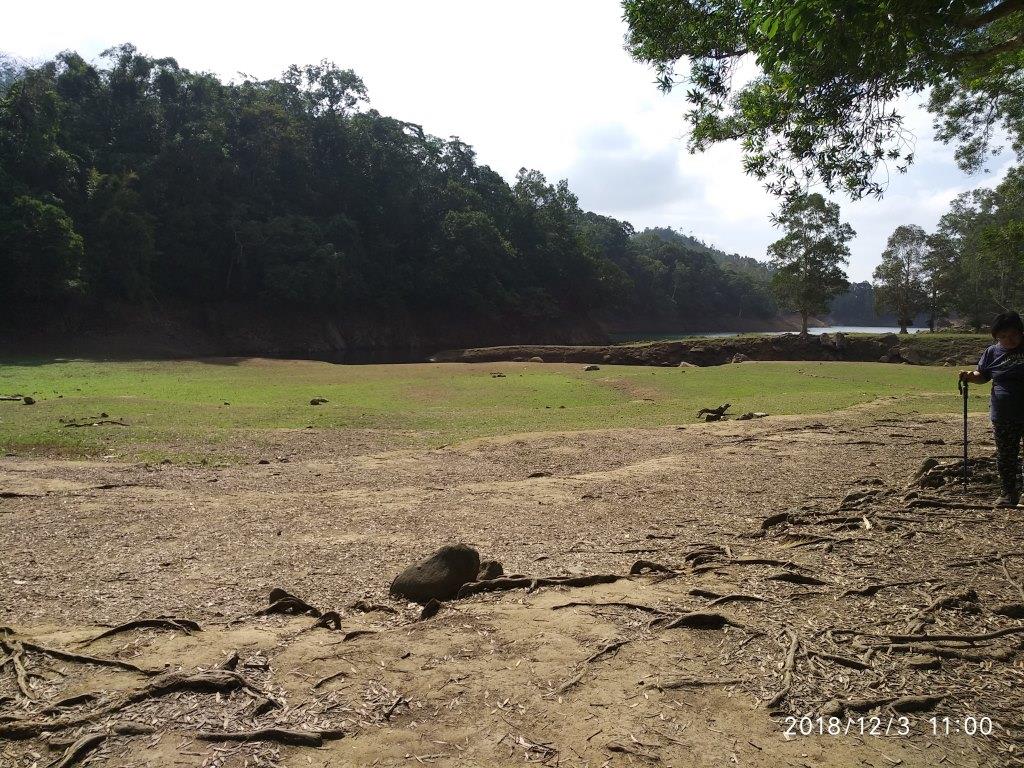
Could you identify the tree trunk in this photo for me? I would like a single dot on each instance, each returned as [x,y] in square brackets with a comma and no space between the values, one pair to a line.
[803,325]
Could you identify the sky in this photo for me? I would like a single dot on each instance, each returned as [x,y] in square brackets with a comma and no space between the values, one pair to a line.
[543,84]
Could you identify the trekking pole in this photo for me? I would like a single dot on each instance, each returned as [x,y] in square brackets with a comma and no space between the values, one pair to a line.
[963,387]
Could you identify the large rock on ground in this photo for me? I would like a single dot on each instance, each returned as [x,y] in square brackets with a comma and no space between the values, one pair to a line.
[440,576]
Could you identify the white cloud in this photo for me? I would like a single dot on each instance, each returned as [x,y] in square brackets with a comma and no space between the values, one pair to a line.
[535,83]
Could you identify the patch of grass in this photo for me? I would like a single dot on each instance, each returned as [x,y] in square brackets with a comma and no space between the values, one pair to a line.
[178,408]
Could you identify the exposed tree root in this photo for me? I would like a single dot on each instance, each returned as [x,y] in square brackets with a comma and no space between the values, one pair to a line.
[969,638]
[700,620]
[70,701]
[213,681]
[844,661]
[635,606]
[904,704]
[776,519]
[431,609]
[365,607]
[287,603]
[648,566]
[572,682]
[506,583]
[79,750]
[874,589]
[798,578]
[639,751]
[287,736]
[1010,610]
[327,678]
[788,667]
[705,593]
[352,634]
[943,504]
[908,704]
[737,597]
[1006,572]
[16,658]
[180,625]
[1006,654]
[60,653]
[329,620]
[766,561]
[608,650]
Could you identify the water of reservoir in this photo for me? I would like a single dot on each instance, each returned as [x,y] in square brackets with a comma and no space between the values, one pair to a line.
[626,337]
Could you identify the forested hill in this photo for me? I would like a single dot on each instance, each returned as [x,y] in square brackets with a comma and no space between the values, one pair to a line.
[134,188]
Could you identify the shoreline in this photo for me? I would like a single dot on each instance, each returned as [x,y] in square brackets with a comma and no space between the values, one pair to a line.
[913,349]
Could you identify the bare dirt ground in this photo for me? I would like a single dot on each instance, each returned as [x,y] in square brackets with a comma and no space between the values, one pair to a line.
[869,599]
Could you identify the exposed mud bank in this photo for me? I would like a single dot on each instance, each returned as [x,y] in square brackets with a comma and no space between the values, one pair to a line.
[918,349]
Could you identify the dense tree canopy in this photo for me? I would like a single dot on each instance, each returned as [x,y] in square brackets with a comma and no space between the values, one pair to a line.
[821,107]
[135,181]
[975,258]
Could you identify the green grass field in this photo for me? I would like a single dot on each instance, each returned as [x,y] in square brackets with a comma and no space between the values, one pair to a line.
[177,409]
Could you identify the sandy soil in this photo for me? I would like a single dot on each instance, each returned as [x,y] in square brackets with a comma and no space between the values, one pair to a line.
[503,678]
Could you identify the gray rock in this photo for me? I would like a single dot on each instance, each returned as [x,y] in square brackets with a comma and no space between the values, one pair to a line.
[536,360]
[592,368]
[440,576]
[739,357]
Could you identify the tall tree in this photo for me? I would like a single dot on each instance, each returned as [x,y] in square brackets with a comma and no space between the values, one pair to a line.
[900,277]
[821,107]
[809,259]
[130,181]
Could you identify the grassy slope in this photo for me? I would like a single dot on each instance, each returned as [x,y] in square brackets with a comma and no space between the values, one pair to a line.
[176,408]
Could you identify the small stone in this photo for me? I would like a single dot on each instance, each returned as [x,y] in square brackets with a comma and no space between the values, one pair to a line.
[536,359]
[592,368]
[263,461]
[923,661]
[739,357]
[318,401]
[28,400]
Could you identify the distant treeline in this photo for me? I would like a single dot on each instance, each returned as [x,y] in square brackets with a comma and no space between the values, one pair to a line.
[135,182]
